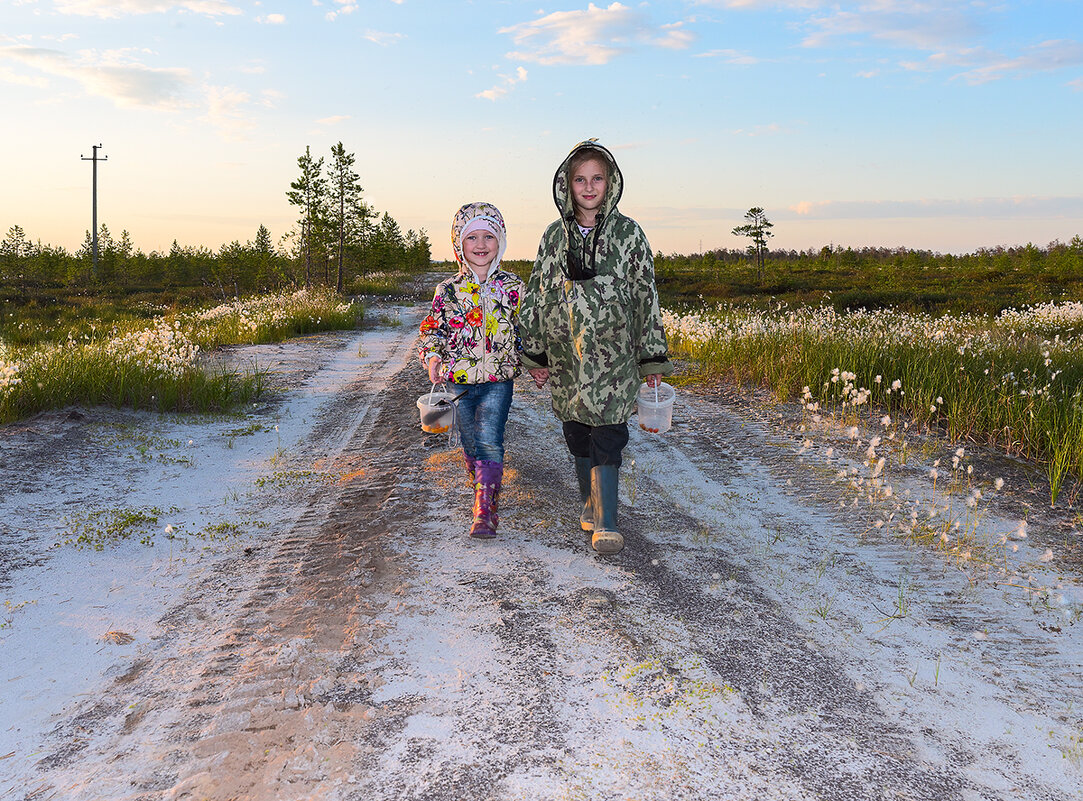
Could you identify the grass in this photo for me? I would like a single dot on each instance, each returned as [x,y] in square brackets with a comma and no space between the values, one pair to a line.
[1012,381]
[154,363]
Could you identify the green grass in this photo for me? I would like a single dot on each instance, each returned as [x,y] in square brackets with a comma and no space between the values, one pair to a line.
[154,364]
[1012,381]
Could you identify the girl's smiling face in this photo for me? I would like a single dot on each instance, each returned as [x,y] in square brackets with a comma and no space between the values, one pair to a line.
[479,249]
[588,182]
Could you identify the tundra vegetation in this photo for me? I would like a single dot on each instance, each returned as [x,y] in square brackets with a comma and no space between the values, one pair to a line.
[980,347]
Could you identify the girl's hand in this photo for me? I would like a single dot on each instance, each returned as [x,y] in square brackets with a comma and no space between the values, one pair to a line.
[653,380]
[435,369]
[540,376]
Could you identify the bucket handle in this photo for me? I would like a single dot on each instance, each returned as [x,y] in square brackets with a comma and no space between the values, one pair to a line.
[454,410]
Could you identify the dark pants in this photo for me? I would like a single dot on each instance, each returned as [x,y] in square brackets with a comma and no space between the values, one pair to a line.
[602,444]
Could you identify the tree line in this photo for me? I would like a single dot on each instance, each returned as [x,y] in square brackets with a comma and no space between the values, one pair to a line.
[338,235]
[987,280]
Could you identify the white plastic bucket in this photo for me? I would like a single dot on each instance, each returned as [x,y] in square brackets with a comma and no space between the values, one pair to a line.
[656,407]
[437,411]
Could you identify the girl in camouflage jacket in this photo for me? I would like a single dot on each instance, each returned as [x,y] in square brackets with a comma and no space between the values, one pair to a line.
[591,327]
[471,339]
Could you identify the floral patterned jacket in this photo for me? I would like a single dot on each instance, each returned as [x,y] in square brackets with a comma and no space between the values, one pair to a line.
[473,327]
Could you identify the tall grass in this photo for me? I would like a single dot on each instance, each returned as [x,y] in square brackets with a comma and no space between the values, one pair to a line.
[1013,380]
[157,366]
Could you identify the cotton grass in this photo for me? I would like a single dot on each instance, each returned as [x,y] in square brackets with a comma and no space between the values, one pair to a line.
[1012,381]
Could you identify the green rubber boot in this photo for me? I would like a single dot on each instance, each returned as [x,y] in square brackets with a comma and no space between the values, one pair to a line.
[603,494]
[582,473]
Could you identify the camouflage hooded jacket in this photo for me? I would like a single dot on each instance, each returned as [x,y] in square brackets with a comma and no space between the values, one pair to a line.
[590,313]
[472,325]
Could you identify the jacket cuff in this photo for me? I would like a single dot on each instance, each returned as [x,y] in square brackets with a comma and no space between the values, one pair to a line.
[534,361]
[655,365]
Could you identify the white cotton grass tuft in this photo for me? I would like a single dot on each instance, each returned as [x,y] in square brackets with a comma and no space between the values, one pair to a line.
[1047,556]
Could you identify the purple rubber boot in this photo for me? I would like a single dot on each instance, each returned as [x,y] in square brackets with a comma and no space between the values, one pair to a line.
[486,491]
[470,467]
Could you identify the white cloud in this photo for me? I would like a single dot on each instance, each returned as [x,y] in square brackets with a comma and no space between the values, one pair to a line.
[594,36]
[1022,207]
[760,130]
[112,9]
[335,120]
[114,75]
[506,82]
[730,57]
[272,19]
[21,79]
[761,3]
[979,65]
[226,111]
[382,38]
[1044,57]
[903,23]
[345,7]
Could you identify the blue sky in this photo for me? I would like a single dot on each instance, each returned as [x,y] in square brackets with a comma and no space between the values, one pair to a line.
[945,125]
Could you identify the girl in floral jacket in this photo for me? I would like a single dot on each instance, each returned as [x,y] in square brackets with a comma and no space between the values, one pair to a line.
[471,339]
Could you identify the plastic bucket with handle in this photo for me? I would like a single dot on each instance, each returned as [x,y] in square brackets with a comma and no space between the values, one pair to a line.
[437,411]
[656,407]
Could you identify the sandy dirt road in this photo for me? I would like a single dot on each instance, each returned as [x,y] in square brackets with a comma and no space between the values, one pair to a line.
[760,637]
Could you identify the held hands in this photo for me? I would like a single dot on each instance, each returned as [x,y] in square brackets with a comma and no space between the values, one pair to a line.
[540,376]
[653,380]
[435,370]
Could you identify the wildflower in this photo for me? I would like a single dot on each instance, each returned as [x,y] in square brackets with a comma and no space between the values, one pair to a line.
[999,483]
[851,432]
[885,421]
[896,384]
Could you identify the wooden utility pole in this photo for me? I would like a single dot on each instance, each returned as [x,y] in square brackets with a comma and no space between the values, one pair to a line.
[94,204]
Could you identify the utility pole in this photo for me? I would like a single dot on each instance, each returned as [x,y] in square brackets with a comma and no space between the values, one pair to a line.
[94,204]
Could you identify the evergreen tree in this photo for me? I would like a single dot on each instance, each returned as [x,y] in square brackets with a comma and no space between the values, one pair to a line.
[345,202]
[758,229]
[308,193]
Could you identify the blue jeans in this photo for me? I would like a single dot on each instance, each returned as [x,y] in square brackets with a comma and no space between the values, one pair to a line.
[481,417]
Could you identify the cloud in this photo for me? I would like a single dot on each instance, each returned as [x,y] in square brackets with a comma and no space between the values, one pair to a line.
[272,19]
[730,57]
[335,120]
[226,111]
[980,65]
[591,37]
[381,38]
[902,23]
[1022,207]
[761,3]
[19,79]
[506,82]
[345,7]
[112,9]
[113,74]
[760,130]
[1044,57]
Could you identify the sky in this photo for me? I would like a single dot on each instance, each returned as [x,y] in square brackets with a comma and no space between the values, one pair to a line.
[947,126]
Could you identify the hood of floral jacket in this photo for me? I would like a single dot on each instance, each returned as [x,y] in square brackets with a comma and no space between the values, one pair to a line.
[472,217]
[582,255]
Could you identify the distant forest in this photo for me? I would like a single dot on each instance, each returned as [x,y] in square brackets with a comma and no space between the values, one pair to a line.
[988,280]
[338,237]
